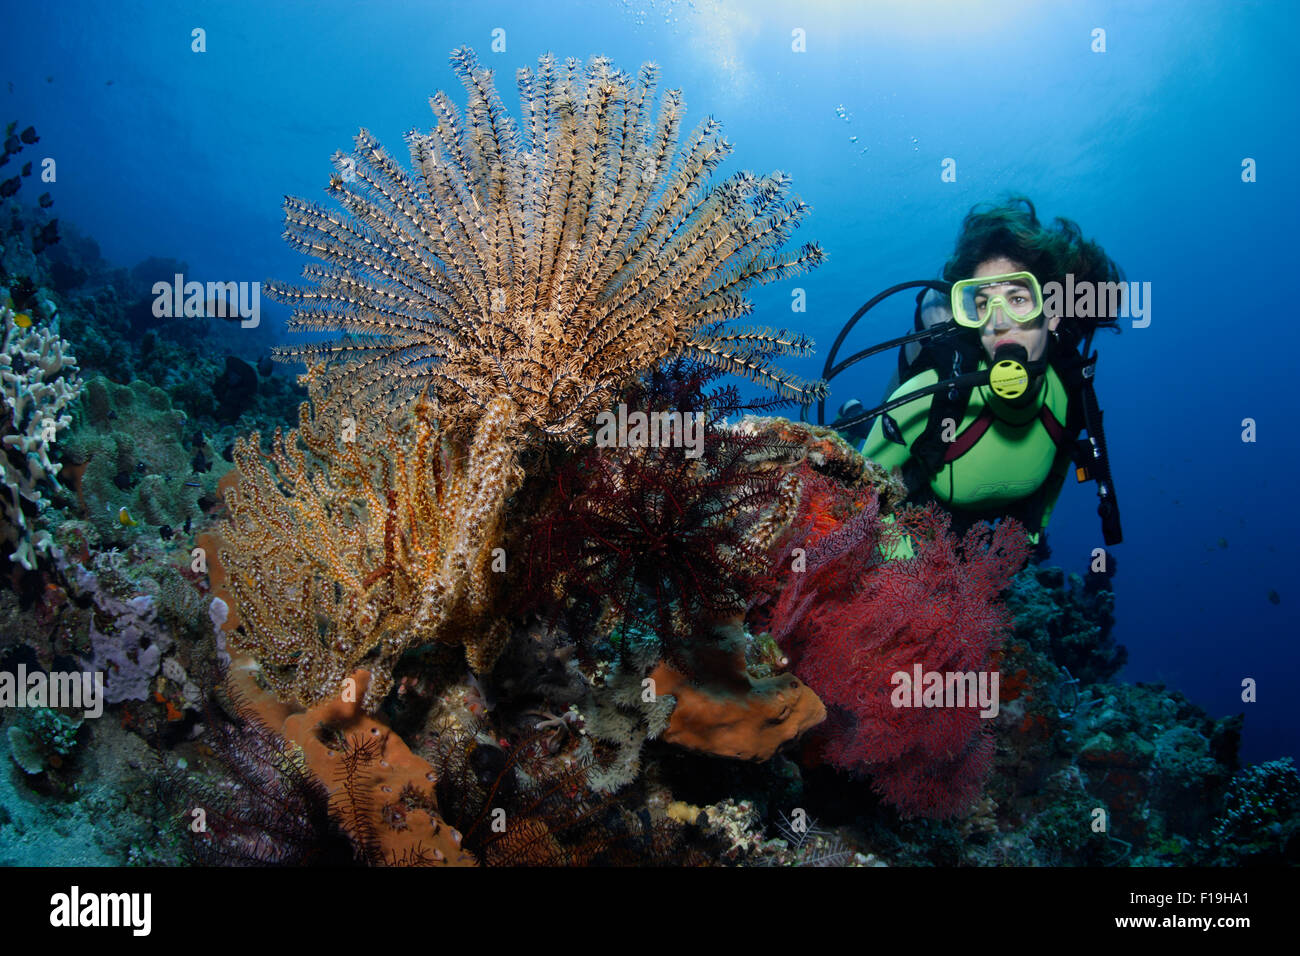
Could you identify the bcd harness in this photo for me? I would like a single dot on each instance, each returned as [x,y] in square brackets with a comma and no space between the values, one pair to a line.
[954,353]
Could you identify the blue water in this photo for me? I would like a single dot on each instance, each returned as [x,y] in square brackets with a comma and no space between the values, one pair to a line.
[164,151]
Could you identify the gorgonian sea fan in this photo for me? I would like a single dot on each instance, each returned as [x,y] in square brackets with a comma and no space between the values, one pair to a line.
[852,619]
[548,261]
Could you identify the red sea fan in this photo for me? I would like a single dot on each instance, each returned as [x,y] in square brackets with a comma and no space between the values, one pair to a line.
[851,620]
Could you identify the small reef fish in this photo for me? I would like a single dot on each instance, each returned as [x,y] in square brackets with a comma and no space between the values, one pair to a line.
[124,518]
[23,320]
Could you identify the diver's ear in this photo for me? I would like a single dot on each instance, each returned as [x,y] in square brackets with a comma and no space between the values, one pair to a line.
[1052,322]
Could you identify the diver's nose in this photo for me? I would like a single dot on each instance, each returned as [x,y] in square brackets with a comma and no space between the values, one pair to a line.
[998,317]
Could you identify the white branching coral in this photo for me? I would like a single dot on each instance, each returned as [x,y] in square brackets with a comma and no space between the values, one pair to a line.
[547,261]
[38,380]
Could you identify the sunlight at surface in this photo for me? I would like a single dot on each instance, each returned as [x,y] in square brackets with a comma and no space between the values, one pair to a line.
[930,19]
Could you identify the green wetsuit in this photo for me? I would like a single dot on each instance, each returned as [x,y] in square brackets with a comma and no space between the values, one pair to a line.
[1000,455]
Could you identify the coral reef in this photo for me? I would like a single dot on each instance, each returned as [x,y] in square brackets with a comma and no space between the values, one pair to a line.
[131,615]
[619,716]
[824,450]
[517,807]
[109,313]
[801,842]
[734,823]
[1153,762]
[127,641]
[1260,821]
[38,380]
[513,291]
[600,720]
[465,632]
[42,739]
[262,809]
[1069,618]
[95,808]
[135,467]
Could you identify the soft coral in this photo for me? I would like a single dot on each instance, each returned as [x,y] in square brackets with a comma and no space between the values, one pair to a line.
[851,619]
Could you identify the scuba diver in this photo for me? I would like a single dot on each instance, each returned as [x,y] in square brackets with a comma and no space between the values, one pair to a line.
[997,382]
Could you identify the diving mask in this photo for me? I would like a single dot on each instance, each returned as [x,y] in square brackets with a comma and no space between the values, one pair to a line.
[1017,294]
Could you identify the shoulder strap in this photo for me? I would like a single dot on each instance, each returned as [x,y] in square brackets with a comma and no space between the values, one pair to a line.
[929,452]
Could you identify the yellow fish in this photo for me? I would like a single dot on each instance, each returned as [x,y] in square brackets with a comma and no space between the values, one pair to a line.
[23,320]
[125,518]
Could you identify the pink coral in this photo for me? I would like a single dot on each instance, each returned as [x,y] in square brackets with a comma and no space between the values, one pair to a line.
[851,619]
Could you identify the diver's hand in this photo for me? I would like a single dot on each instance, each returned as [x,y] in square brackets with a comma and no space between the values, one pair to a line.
[899,548]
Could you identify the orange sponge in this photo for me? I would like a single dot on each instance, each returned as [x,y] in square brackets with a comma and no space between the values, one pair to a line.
[398,805]
[740,717]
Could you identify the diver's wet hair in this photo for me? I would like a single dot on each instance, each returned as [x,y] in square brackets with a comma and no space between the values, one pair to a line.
[1012,230]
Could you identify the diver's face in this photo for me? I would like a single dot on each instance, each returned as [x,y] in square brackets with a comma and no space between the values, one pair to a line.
[1001,329]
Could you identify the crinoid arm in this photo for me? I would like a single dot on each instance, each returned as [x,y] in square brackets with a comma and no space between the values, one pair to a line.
[548,259]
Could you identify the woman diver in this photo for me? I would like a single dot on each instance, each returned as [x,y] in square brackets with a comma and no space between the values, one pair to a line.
[986,418]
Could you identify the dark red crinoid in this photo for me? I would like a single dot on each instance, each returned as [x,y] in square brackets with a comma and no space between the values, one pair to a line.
[661,538]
